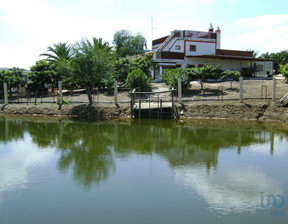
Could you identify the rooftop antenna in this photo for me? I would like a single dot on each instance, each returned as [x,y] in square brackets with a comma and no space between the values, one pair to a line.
[152,28]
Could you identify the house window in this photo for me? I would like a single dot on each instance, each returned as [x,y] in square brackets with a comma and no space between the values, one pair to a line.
[192,47]
[177,47]
[200,65]
[190,66]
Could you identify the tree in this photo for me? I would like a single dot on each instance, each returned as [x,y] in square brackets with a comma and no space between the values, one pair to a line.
[138,79]
[92,66]
[126,44]
[204,73]
[284,71]
[41,77]
[12,77]
[255,53]
[60,55]
[144,63]
[280,58]
[98,43]
[60,51]
[170,76]
[231,75]
[123,66]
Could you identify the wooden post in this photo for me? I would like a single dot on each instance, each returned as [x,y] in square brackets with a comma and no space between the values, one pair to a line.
[149,106]
[241,88]
[60,94]
[158,105]
[179,90]
[274,89]
[6,130]
[172,111]
[160,108]
[272,134]
[115,91]
[139,108]
[5,93]
[131,106]
[239,141]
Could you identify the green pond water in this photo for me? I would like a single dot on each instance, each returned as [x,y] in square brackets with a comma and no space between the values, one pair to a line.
[149,171]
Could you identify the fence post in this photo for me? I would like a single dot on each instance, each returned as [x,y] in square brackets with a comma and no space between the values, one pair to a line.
[115,91]
[172,111]
[60,93]
[241,88]
[274,89]
[179,90]
[5,93]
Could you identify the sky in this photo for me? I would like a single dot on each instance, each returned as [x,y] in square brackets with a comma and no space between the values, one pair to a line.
[28,27]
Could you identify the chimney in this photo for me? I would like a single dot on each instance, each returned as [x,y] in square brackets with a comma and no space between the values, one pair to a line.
[218,38]
[211,29]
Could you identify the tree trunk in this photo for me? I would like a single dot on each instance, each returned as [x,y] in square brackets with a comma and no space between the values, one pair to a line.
[89,94]
[202,85]
[36,93]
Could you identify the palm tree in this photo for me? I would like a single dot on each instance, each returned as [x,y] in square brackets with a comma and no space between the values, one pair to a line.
[60,55]
[60,51]
[92,64]
[99,44]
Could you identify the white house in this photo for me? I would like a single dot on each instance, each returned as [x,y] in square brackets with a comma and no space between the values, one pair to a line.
[188,48]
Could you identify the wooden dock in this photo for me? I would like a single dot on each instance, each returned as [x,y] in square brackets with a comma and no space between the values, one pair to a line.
[152,104]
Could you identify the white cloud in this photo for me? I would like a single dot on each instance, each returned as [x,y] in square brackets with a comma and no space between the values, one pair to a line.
[267,33]
[46,24]
[233,191]
[266,21]
[14,167]
[207,1]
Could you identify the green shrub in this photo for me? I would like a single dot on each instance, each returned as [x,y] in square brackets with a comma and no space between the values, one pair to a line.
[109,83]
[138,79]
[284,71]
[232,75]
[170,77]
[204,73]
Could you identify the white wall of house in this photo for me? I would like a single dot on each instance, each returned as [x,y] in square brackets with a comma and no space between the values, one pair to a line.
[202,48]
[175,46]
[263,67]
[225,64]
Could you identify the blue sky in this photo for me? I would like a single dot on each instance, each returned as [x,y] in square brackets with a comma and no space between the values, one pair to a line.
[28,27]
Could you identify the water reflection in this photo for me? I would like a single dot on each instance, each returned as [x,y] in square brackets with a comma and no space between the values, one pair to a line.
[236,190]
[89,147]
[16,160]
[90,150]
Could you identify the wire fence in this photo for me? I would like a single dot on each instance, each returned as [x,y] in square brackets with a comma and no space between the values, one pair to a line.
[212,91]
[228,90]
[71,96]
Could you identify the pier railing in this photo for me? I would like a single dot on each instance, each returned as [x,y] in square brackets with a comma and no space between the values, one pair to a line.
[152,104]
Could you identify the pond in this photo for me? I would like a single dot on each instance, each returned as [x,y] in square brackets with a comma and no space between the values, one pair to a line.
[149,171]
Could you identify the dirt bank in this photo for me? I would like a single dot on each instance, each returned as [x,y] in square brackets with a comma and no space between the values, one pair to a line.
[191,110]
[235,111]
[100,111]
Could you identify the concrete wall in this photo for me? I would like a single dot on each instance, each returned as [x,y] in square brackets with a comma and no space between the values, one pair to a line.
[263,67]
[202,48]
[226,64]
[172,46]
